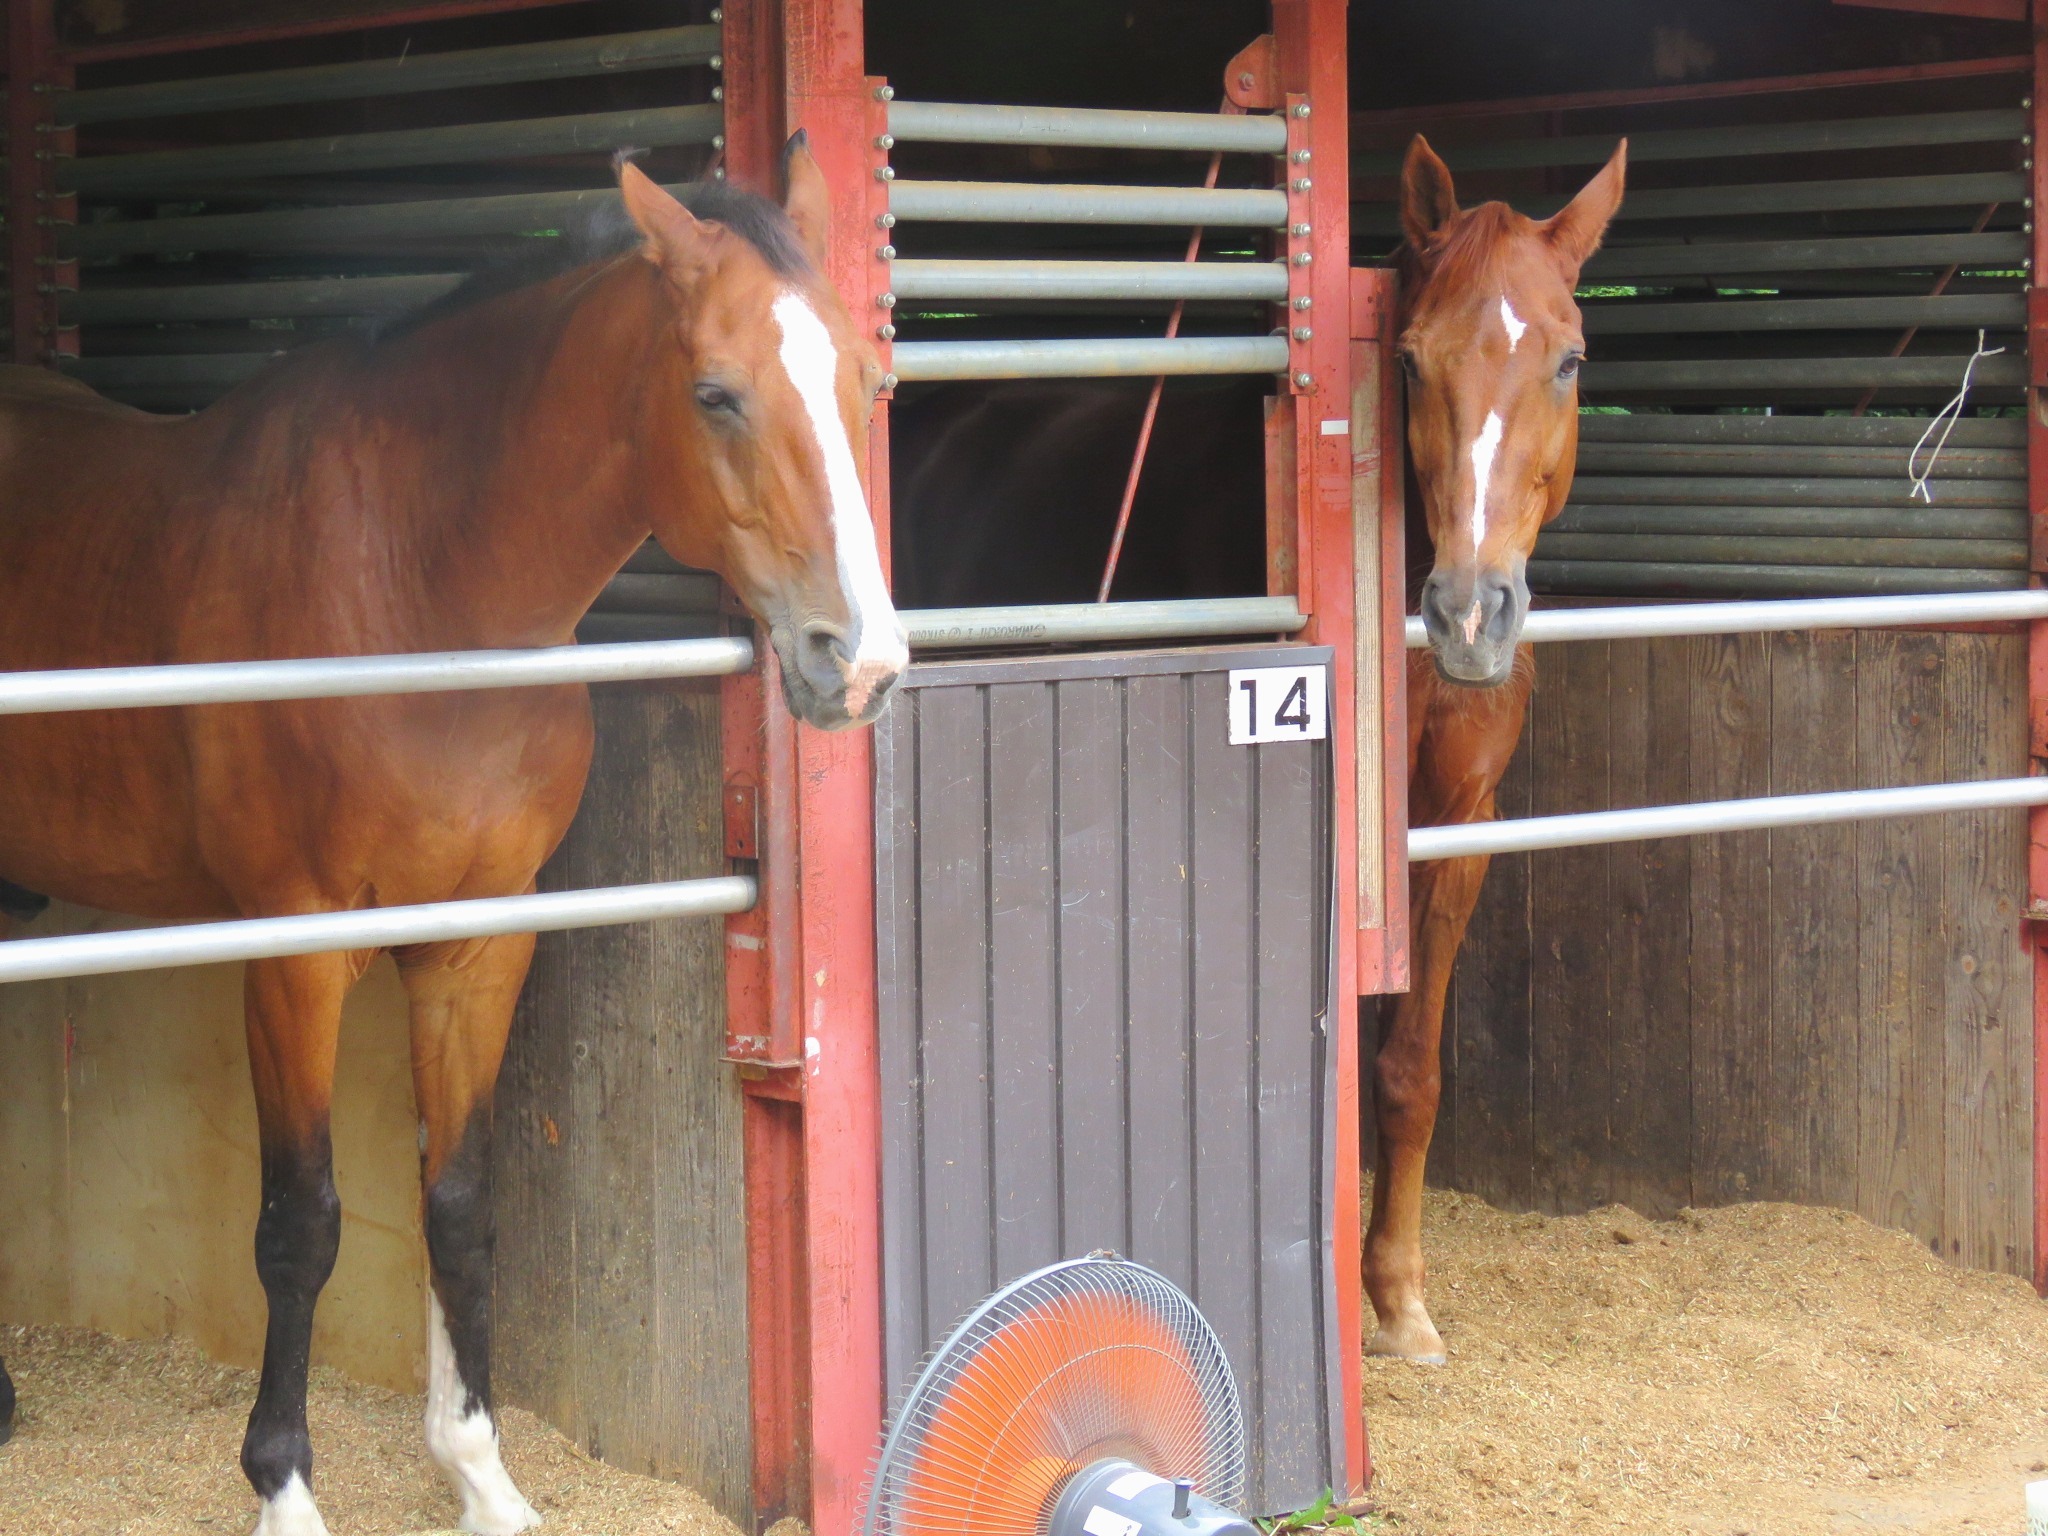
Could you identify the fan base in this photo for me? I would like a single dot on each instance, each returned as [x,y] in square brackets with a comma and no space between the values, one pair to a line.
[1120,1498]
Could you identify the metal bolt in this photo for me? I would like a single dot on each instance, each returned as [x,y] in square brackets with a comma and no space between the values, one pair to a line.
[883,173]
[886,332]
[1300,157]
[1299,231]
[1304,302]
[1299,109]
[718,93]
[718,61]
[718,13]
[719,174]
[886,300]
[888,381]
[1304,380]
[885,221]
[885,141]
[1302,183]
[718,141]
[886,252]
[2026,138]
[1302,258]
[885,93]
[1303,333]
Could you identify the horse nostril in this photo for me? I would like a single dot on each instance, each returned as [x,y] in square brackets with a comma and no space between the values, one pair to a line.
[827,646]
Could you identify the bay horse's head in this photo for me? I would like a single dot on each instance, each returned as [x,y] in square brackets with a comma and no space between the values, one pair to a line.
[1492,344]
[761,409]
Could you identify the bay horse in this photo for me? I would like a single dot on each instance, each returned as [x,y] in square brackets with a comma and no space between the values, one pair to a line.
[1491,342]
[467,480]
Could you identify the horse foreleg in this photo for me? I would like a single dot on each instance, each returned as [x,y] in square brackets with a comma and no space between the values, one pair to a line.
[462,999]
[293,1017]
[6,1405]
[1406,1082]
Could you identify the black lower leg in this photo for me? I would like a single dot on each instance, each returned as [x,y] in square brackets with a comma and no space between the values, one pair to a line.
[6,1405]
[297,1237]
[461,1236]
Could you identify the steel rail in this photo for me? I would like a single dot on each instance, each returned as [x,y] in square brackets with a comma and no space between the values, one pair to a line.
[1814,254]
[340,677]
[928,279]
[1736,490]
[1938,522]
[244,301]
[1108,358]
[1832,551]
[1800,431]
[1670,578]
[662,48]
[1877,460]
[2008,370]
[263,938]
[942,122]
[1765,617]
[1080,623]
[1021,202]
[1951,311]
[1591,828]
[153,171]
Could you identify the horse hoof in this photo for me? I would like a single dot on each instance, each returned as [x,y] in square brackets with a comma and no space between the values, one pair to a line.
[1409,1338]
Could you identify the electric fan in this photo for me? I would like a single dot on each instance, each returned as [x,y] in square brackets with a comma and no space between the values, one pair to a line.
[1087,1399]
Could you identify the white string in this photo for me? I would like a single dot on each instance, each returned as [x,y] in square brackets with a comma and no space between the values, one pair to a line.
[1945,418]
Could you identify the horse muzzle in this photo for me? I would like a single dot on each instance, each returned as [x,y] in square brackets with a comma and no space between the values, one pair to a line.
[835,681]
[1474,620]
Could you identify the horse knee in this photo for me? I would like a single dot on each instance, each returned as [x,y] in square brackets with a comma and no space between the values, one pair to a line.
[298,1235]
[1406,1093]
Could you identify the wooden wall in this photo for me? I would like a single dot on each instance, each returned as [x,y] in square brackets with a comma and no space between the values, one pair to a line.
[621,1266]
[1839,1015]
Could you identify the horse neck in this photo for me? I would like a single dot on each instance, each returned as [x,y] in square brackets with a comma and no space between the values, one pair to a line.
[536,495]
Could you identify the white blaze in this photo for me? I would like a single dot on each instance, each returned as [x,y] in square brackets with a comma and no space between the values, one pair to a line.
[1513,322]
[1484,447]
[291,1512]
[812,363]
[464,1441]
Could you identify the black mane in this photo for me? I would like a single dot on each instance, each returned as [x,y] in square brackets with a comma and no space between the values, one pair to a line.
[606,232]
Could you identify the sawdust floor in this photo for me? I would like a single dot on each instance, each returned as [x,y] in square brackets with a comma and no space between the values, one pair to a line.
[1765,1370]
[118,1438]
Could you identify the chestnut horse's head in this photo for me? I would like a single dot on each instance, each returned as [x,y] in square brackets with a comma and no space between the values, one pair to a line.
[1492,345]
[761,410]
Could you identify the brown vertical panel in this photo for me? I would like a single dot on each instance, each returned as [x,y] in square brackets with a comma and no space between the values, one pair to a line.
[905,1337]
[1728,746]
[1226,1252]
[1986,1126]
[1811,1144]
[1289,979]
[1649,992]
[1487,1021]
[1162,1131]
[952,894]
[1569,1071]
[1095,1207]
[1023,1011]
[1901,950]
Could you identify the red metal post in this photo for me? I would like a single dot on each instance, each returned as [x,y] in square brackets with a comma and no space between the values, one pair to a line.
[37,271]
[1313,418]
[2037,634]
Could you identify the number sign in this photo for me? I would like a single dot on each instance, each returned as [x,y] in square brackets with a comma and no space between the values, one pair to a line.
[1279,704]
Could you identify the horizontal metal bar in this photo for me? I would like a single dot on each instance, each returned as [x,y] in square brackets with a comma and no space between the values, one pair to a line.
[938,122]
[1860,550]
[341,677]
[1769,617]
[666,47]
[1591,828]
[1894,490]
[1804,431]
[1981,127]
[2008,370]
[160,170]
[934,629]
[1670,578]
[1107,358]
[326,230]
[242,301]
[1021,202]
[2005,250]
[1600,458]
[1849,194]
[263,938]
[920,279]
[1949,311]
[1917,522]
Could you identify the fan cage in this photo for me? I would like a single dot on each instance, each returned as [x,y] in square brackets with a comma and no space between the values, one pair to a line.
[1082,1360]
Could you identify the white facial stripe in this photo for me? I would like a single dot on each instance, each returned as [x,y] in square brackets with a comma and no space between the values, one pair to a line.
[812,363]
[290,1512]
[1514,323]
[464,1442]
[1484,447]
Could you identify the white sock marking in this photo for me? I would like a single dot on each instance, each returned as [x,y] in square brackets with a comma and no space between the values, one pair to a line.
[1513,322]
[812,362]
[291,1512]
[464,1443]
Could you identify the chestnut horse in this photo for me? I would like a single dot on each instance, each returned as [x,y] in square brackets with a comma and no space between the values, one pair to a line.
[1491,343]
[469,480]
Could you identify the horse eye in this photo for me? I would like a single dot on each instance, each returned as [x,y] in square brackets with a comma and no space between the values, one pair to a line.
[1569,368]
[715,398]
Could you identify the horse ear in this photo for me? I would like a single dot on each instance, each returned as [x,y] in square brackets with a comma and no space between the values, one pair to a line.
[671,230]
[1428,201]
[1577,228]
[805,198]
